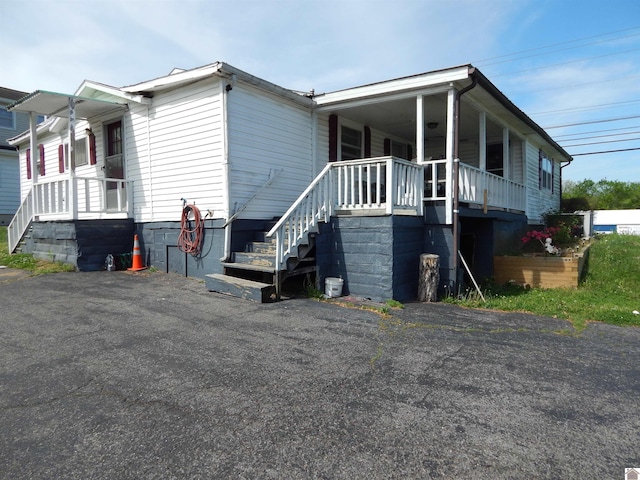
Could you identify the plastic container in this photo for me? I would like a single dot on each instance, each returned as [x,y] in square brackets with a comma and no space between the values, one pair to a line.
[333,287]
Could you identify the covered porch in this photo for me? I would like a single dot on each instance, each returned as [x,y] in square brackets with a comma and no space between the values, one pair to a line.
[450,124]
[62,195]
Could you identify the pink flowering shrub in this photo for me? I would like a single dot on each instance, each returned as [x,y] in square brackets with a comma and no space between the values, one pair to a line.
[540,235]
[537,240]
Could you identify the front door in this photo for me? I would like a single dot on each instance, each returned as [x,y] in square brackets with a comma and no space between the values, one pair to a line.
[114,166]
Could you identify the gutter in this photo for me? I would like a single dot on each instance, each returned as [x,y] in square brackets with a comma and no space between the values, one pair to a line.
[456,169]
[226,194]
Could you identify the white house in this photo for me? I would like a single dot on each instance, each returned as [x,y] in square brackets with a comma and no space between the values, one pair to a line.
[355,183]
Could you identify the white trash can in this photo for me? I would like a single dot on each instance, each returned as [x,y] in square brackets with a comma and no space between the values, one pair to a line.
[333,287]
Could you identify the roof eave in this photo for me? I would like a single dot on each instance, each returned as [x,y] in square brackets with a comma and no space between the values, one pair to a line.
[220,69]
[399,85]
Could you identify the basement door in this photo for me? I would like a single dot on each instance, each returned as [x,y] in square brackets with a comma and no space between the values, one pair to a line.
[114,166]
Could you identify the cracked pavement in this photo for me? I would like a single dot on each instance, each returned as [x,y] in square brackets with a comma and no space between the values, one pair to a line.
[145,375]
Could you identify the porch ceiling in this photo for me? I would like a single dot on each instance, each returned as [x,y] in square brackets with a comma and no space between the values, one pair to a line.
[398,117]
[57,105]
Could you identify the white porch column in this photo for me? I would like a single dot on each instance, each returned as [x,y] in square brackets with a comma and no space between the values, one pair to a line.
[451,103]
[73,190]
[482,141]
[33,146]
[420,129]
[35,154]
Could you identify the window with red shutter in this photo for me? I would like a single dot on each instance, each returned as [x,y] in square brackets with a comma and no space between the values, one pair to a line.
[41,160]
[61,158]
[28,164]
[92,149]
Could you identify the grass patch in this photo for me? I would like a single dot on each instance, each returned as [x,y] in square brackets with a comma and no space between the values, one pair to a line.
[26,261]
[609,293]
[394,304]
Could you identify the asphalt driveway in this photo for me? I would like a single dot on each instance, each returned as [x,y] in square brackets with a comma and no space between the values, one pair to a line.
[114,375]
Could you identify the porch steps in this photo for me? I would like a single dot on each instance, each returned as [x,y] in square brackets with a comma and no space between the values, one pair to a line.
[26,236]
[252,274]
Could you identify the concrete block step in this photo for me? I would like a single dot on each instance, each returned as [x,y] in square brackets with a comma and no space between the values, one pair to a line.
[240,287]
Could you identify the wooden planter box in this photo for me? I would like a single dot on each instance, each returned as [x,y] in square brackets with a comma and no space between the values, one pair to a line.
[541,271]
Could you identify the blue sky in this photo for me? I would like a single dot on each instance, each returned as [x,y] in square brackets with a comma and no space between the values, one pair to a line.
[564,62]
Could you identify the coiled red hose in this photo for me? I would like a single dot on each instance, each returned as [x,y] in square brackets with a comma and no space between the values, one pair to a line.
[191,230]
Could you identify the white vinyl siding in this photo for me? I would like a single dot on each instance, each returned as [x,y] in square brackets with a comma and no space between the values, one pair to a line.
[539,200]
[267,134]
[184,128]
[516,164]
[322,142]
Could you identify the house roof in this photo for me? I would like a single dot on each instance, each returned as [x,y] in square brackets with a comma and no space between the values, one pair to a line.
[179,77]
[57,105]
[11,94]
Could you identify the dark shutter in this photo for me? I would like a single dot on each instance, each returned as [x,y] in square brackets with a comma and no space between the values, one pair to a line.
[553,175]
[367,142]
[28,164]
[540,169]
[92,149]
[387,147]
[61,158]
[41,150]
[333,138]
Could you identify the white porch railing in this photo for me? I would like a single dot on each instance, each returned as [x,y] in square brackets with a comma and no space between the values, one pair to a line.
[382,185]
[89,198]
[472,185]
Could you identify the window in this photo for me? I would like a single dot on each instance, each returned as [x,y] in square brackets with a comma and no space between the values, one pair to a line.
[7,119]
[80,152]
[401,150]
[546,172]
[350,143]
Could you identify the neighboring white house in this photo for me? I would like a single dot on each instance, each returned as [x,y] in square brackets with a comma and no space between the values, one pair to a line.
[355,183]
[11,124]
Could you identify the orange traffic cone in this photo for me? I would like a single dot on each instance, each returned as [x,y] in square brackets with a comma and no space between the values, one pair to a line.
[137,258]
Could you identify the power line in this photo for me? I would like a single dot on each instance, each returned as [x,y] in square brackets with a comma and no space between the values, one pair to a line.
[606,151]
[566,62]
[479,62]
[604,120]
[596,131]
[601,142]
[598,136]
[588,107]
[584,84]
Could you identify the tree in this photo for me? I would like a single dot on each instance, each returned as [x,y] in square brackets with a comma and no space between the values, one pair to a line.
[601,195]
